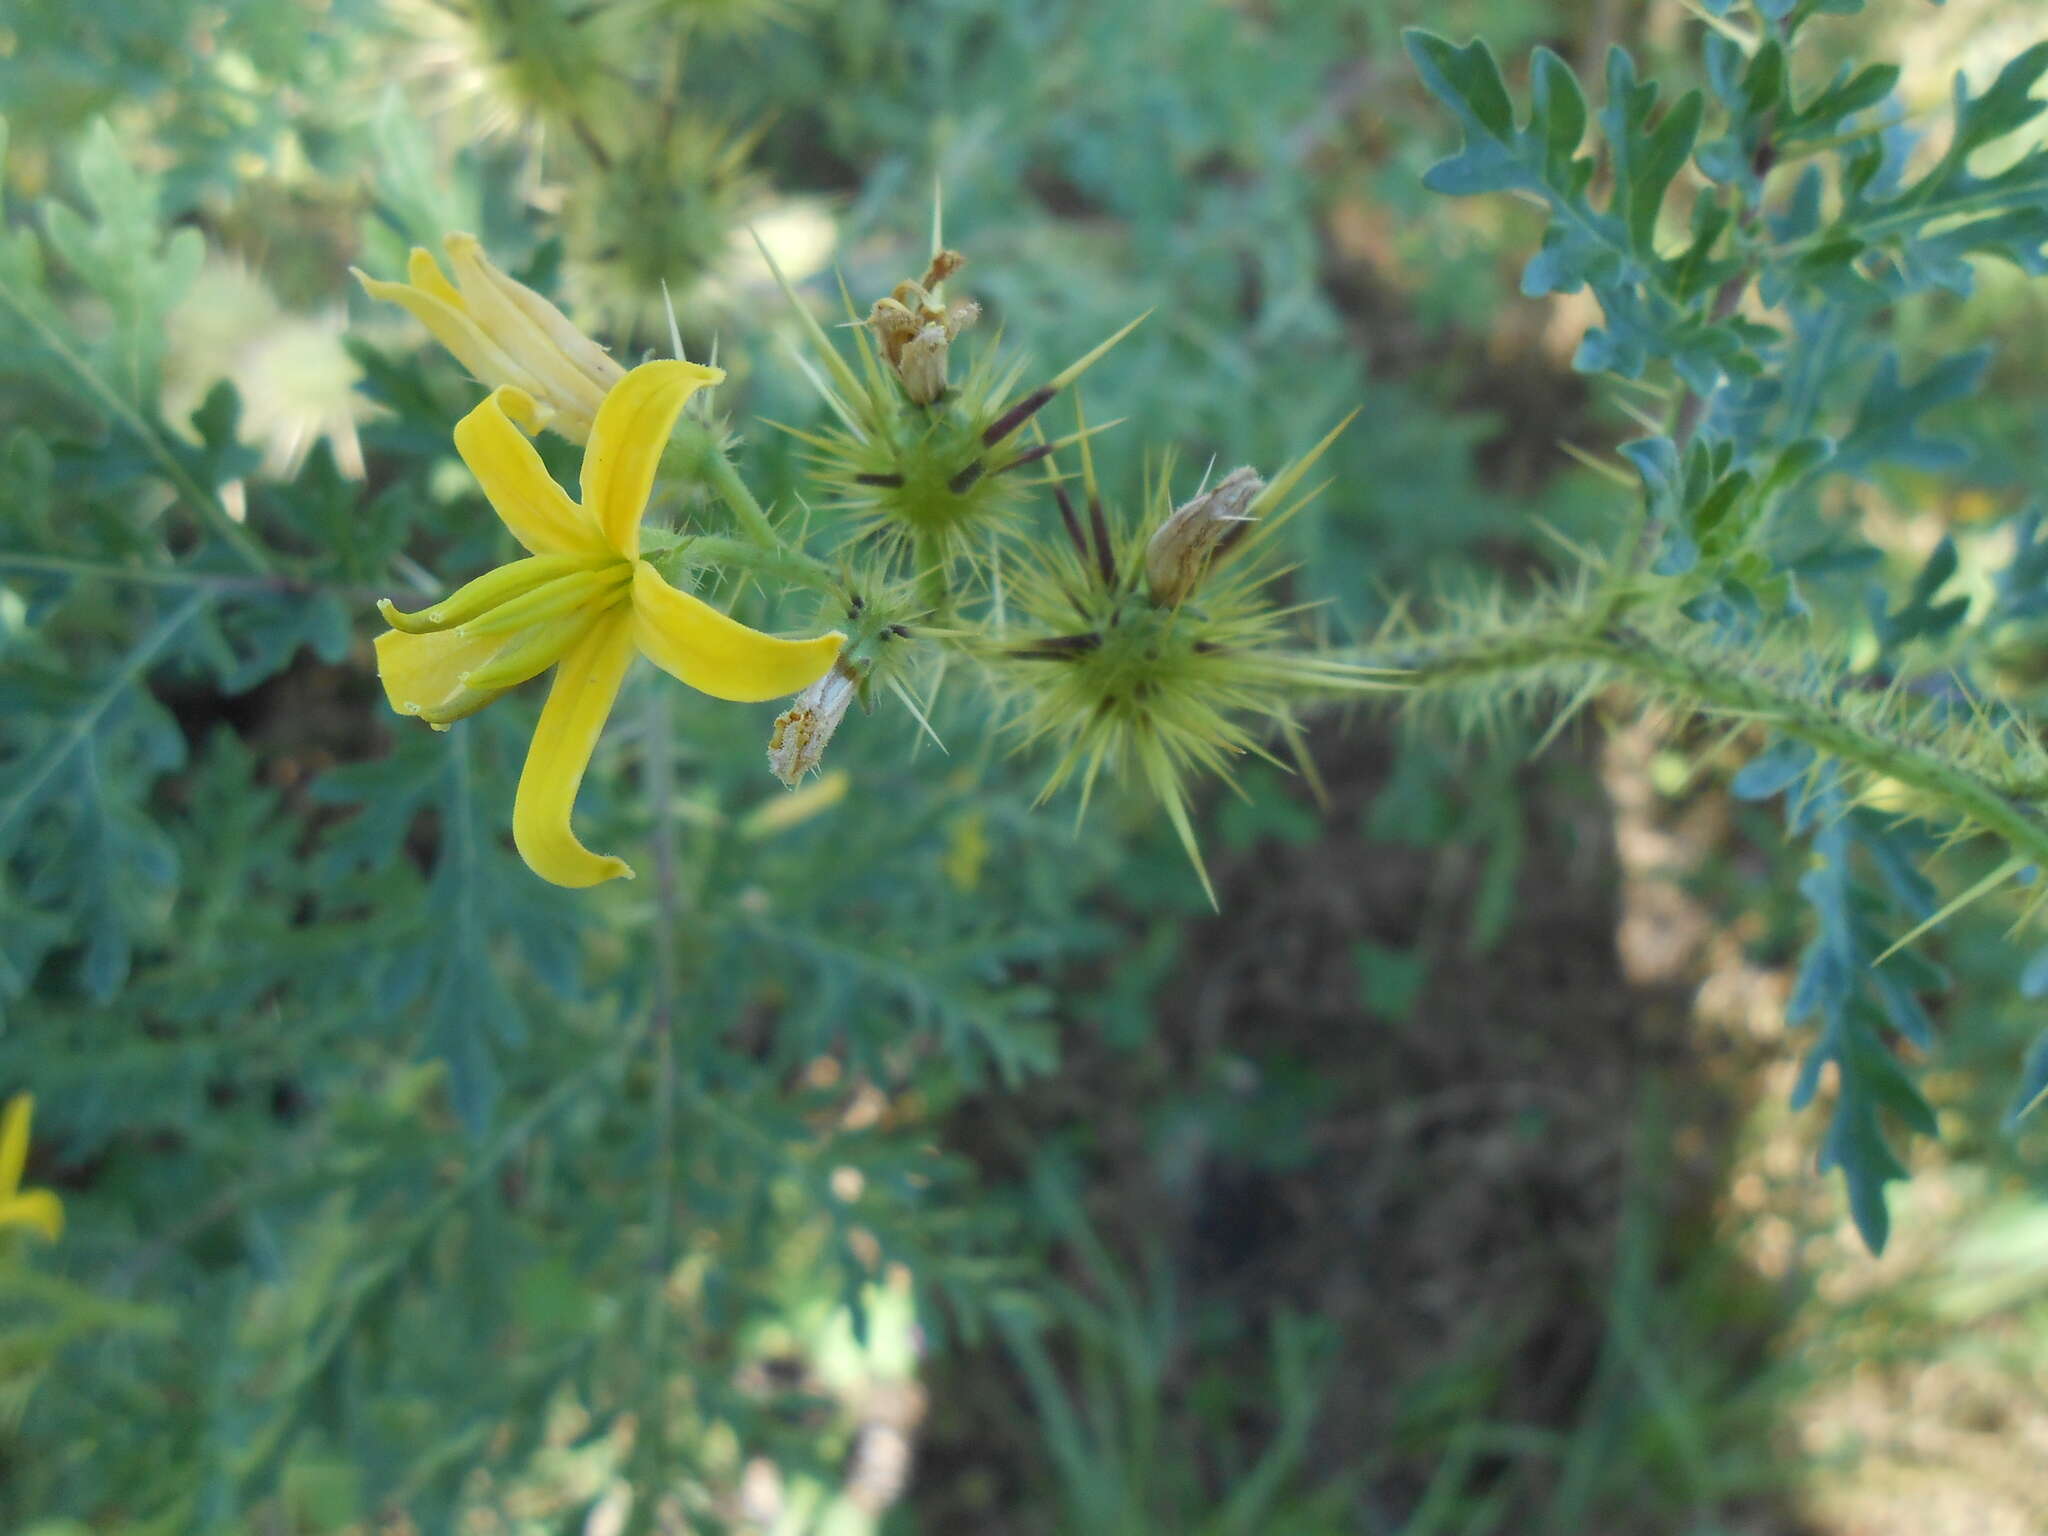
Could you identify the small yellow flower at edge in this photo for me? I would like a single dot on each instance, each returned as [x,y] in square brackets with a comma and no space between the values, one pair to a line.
[37,1209]
[583,602]
[505,333]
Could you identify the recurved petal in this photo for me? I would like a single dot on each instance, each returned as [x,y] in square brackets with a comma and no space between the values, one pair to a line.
[14,1141]
[37,1209]
[426,675]
[586,683]
[626,442]
[441,311]
[715,653]
[538,511]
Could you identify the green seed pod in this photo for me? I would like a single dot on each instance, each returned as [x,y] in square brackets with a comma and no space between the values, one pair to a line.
[1111,676]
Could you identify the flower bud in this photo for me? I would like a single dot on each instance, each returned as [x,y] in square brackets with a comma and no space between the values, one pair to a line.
[505,333]
[797,743]
[1179,553]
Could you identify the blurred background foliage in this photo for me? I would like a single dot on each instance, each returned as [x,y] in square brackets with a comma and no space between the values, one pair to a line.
[972,1176]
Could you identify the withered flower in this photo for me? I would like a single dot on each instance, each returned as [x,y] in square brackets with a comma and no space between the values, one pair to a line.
[1180,552]
[797,743]
[916,327]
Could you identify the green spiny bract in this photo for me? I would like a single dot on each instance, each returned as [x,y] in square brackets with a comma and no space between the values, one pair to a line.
[535,59]
[925,470]
[1114,674]
[662,213]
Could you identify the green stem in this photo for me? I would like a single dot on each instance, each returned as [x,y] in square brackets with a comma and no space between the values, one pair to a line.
[932,587]
[215,581]
[780,562]
[720,475]
[1630,655]
[658,768]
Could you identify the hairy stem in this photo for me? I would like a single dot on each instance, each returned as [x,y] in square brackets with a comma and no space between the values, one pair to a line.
[933,589]
[753,521]
[780,562]
[1631,656]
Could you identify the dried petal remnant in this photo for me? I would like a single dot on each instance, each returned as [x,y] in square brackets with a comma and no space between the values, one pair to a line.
[797,743]
[916,327]
[1180,552]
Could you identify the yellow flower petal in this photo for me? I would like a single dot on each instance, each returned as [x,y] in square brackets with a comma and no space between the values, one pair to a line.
[14,1141]
[538,511]
[590,360]
[488,296]
[715,653]
[586,683]
[19,1207]
[487,362]
[425,273]
[34,1208]
[626,442]
[426,675]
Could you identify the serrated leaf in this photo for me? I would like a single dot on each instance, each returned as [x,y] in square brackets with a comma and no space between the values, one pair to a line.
[123,255]
[1647,158]
[1887,425]
[1654,307]
[75,847]
[253,638]
[1843,97]
[1855,1143]
[1920,617]
[1929,227]
[479,910]
[2021,586]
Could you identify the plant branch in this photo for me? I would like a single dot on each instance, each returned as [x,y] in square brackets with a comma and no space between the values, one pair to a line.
[1844,726]
[780,562]
[178,576]
[753,520]
[658,768]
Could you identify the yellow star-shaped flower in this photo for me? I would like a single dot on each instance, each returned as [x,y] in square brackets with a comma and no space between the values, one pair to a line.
[37,1209]
[583,602]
